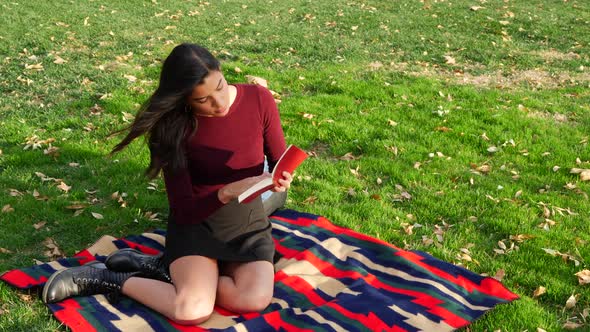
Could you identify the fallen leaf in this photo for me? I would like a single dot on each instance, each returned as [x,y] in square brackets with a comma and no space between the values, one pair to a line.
[7,208]
[64,187]
[583,277]
[348,156]
[500,274]
[36,66]
[130,78]
[585,175]
[521,237]
[449,60]
[539,291]
[54,251]
[577,170]
[571,325]
[58,60]
[476,8]
[256,80]
[5,251]
[375,65]
[39,225]
[310,200]
[443,129]
[571,302]
[76,206]
[14,192]
[97,215]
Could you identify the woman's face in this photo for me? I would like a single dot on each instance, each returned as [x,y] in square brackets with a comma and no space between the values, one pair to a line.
[210,98]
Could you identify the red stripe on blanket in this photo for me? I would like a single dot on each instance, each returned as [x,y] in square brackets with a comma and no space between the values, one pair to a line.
[72,318]
[20,279]
[86,256]
[301,286]
[488,286]
[371,319]
[275,320]
[186,328]
[329,270]
[142,248]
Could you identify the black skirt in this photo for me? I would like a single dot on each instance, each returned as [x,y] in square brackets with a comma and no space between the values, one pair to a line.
[234,233]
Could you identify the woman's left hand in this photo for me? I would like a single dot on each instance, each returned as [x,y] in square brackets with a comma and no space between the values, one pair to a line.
[284,183]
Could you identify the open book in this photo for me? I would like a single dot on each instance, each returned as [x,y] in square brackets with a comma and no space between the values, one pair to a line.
[289,161]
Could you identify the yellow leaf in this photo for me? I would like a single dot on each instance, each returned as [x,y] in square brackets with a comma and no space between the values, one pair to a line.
[39,224]
[539,291]
[130,78]
[76,206]
[571,302]
[450,60]
[36,66]
[58,60]
[64,187]
[7,208]
[256,80]
[583,277]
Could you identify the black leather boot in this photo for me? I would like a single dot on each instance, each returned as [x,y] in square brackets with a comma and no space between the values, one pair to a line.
[132,260]
[89,279]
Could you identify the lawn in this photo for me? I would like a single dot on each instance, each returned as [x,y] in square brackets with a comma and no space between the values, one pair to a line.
[455,127]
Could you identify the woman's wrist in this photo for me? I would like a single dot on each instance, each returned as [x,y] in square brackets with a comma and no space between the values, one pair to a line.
[222,196]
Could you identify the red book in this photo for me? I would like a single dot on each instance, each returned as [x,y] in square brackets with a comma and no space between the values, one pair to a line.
[289,161]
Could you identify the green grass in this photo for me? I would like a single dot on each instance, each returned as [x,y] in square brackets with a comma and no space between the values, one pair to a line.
[519,82]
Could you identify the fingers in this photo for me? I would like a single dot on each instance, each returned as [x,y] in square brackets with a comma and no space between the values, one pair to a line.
[285,182]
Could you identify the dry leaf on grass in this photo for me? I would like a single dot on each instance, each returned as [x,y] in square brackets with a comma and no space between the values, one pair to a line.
[571,325]
[7,208]
[539,291]
[39,225]
[583,277]
[571,302]
[53,249]
[64,187]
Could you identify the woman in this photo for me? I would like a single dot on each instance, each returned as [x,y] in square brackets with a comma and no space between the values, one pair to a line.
[210,139]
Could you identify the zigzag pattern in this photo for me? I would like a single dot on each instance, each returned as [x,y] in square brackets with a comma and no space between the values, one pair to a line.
[328,279]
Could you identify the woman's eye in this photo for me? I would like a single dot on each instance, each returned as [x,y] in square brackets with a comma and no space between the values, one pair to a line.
[201,101]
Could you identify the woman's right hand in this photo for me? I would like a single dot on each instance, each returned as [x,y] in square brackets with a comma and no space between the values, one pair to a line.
[233,190]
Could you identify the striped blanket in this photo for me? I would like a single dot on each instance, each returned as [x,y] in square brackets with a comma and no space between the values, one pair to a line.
[328,279]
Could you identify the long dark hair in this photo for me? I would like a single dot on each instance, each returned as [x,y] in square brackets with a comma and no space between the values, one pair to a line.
[164,118]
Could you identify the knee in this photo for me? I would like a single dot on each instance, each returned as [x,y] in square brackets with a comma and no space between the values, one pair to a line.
[255,302]
[191,311]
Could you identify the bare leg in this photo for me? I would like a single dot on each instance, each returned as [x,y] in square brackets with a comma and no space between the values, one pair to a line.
[247,287]
[190,300]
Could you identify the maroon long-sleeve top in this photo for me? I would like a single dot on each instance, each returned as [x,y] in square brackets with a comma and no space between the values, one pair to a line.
[224,150]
